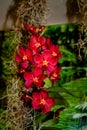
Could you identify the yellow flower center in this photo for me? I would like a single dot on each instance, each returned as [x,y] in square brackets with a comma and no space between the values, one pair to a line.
[42,101]
[35,80]
[54,75]
[54,54]
[37,44]
[24,57]
[45,63]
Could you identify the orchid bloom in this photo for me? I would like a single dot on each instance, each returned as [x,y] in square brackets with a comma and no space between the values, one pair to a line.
[45,61]
[36,43]
[42,101]
[24,56]
[55,74]
[55,51]
[36,77]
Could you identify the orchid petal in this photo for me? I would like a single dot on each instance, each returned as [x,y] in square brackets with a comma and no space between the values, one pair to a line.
[18,58]
[24,64]
[21,51]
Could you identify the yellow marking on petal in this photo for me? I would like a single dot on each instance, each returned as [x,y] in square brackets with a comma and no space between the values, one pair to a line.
[35,80]
[45,63]
[54,54]
[43,102]
[24,57]
[37,44]
[54,75]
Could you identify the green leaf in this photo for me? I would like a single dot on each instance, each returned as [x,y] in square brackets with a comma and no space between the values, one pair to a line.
[59,98]
[67,55]
[48,83]
[50,124]
[50,128]
[66,121]
[75,85]
[56,107]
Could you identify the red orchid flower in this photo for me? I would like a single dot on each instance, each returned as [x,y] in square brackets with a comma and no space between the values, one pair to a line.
[45,60]
[42,101]
[30,28]
[55,74]
[36,42]
[34,78]
[24,56]
[55,51]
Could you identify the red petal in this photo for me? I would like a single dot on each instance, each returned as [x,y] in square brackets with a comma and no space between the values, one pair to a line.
[42,40]
[36,96]
[28,84]
[46,54]
[33,39]
[35,105]
[41,81]
[18,58]
[24,64]
[29,79]
[21,51]
[36,100]
[53,61]
[43,94]
[49,68]
[37,72]
[55,48]
[38,59]
[32,43]
[48,42]
[29,54]
[28,75]
[49,103]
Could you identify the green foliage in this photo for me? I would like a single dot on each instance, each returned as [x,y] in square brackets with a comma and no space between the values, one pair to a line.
[9,46]
[57,107]
[72,87]
[50,124]
[8,71]
[2,119]
[48,83]
[67,56]
[66,121]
